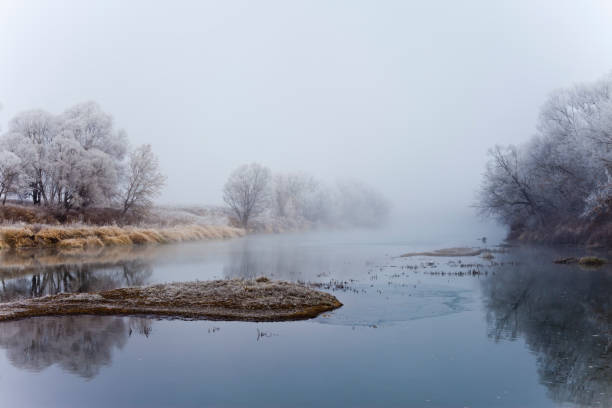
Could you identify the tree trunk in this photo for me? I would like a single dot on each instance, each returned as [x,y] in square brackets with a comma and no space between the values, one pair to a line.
[44,194]
[35,196]
[126,207]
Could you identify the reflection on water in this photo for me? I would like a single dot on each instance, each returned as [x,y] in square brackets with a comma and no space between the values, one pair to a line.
[84,277]
[564,314]
[280,260]
[21,261]
[80,345]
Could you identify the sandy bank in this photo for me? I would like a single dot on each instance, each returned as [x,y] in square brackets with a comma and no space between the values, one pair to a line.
[34,236]
[235,299]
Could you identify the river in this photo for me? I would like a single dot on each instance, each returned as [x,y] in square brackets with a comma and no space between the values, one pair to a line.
[515,331]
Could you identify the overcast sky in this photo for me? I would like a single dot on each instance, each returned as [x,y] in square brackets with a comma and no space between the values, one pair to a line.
[406,95]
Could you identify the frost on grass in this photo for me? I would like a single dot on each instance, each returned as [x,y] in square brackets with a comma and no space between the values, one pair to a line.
[77,237]
[235,299]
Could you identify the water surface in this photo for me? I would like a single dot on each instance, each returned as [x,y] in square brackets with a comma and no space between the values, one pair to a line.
[418,332]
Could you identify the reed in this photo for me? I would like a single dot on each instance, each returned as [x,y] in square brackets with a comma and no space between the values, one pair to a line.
[36,236]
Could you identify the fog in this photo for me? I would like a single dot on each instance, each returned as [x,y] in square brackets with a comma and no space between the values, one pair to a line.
[407,96]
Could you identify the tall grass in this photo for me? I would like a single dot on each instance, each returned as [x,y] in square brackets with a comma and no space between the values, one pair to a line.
[86,237]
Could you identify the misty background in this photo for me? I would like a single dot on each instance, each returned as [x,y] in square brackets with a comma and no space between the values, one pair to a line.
[406,96]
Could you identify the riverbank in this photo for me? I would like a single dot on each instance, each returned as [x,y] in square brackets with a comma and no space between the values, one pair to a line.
[235,299]
[86,237]
[595,233]
[28,226]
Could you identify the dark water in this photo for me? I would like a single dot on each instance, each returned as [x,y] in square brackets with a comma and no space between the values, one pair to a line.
[520,332]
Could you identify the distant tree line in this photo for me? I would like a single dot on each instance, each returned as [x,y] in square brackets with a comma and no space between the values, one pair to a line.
[563,173]
[252,190]
[74,160]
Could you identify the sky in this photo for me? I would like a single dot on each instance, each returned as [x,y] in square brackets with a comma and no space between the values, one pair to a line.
[407,96]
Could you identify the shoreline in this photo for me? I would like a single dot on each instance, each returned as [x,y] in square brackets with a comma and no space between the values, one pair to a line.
[87,237]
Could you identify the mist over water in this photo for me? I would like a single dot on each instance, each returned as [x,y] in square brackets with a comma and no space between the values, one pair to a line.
[363,129]
[407,324]
[406,96]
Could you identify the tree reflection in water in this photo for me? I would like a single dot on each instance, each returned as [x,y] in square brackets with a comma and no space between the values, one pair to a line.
[564,315]
[48,279]
[281,261]
[78,344]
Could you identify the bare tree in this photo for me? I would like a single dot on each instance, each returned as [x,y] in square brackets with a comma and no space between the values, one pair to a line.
[144,180]
[246,191]
[507,191]
[504,187]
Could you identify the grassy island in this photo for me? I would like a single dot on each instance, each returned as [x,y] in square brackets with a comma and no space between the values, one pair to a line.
[234,299]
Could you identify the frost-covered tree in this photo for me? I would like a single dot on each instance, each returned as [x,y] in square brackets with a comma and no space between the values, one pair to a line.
[93,129]
[144,180]
[10,174]
[247,192]
[297,198]
[82,177]
[360,205]
[74,159]
[562,171]
[567,156]
[89,156]
[291,191]
[29,137]
[598,202]
[318,205]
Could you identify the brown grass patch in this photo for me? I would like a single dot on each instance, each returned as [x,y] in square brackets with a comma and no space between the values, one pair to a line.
[91,236]
[591,261]
[73,243]
[235,299]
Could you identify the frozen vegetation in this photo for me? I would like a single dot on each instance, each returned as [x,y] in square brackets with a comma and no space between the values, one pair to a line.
[235,299]
[76,159]
[87,237]
[557,186]
[259,199]
[71,180]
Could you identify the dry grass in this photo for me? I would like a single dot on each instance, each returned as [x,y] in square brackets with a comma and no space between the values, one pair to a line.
[591,261]
[235,299]
[14,212]
[23,212]
[93,236]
